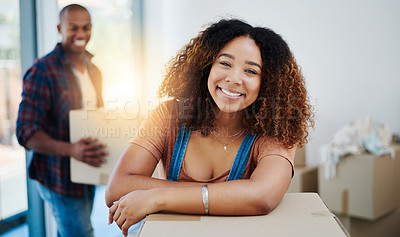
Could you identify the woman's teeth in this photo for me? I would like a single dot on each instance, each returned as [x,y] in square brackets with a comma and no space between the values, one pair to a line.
[230,93]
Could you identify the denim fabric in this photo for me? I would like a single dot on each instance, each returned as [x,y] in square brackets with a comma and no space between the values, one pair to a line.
[238,166]
[242,157]
[178,153]
[72,215]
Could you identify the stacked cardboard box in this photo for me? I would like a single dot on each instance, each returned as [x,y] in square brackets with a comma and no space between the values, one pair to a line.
[300,157]
[366,186]
[306,177]
[365,193]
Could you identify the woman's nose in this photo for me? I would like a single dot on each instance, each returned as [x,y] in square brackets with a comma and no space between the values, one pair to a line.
[235,77]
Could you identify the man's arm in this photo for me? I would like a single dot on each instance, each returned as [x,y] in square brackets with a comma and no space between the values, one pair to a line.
[87,150]
[36,102]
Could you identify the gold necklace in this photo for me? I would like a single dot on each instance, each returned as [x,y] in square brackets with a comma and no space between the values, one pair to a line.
[234,135]
[234,139]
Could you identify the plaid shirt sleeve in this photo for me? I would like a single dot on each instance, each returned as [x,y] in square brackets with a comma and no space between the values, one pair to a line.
[36,101]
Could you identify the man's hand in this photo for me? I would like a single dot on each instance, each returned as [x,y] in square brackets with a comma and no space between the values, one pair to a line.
[89,151]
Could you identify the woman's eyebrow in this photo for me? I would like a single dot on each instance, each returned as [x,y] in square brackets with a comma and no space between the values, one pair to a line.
[253,63]
[232,57]
[226,55]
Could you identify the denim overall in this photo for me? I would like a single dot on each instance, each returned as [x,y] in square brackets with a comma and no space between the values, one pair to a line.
[238,166]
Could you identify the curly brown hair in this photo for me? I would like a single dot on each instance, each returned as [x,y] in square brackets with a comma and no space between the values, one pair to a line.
[281,111]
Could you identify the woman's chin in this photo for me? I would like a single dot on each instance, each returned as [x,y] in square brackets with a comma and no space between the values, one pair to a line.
[230,109]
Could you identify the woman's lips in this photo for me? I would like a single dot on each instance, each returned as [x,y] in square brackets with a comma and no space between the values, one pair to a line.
[230,93]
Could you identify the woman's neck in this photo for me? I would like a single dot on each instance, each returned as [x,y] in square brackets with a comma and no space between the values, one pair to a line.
[229,123]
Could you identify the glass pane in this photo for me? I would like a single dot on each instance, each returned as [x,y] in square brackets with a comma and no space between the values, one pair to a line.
[13,197]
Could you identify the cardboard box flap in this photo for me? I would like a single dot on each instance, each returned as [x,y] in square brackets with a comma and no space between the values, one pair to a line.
[298,214]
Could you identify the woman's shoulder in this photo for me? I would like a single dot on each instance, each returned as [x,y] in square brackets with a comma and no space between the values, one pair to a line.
[162,117]
[266,145]
[168,105]
[166,109]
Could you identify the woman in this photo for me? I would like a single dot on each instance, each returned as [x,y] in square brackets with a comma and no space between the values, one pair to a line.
[236,112]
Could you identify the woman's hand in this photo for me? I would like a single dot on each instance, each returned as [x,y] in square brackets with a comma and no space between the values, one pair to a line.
[132,208]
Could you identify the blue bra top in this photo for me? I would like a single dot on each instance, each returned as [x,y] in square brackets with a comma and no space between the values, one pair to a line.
[181,142]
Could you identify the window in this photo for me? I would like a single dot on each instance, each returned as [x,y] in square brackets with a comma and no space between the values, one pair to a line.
[113,45]
[13,192]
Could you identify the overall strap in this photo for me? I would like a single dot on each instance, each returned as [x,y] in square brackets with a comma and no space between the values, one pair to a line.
[178,153]
[241,158]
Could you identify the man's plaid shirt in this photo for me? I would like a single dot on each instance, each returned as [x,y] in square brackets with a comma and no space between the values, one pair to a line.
[50,91]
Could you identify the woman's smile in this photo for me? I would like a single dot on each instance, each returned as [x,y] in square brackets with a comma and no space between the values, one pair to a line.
[230,93]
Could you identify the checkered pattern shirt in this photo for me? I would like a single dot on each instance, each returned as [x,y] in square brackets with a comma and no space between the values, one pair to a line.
[50,91]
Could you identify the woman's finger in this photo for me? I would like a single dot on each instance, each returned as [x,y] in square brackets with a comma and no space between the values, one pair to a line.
[117,214]
[125,228]
[120,221]
[111,212]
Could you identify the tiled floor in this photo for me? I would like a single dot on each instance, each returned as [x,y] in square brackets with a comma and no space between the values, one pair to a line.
[99,220]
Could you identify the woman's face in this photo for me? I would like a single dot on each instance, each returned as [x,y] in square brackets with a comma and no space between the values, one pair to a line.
[235,78]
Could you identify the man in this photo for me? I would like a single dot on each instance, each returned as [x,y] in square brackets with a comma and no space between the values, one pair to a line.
[64,79]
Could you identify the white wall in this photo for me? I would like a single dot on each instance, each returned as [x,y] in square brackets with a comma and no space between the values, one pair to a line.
[349,51]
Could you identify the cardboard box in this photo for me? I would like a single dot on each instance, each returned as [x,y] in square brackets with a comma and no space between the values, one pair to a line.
[366,186]
[305,179]
[113,128]
[387,225]
[300,156]
[298,214]
[397,173]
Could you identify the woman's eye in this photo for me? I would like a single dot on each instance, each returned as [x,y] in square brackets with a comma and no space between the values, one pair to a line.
[251,71]
[225,64]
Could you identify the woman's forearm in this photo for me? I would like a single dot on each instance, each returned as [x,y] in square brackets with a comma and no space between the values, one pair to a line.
[240,197]
[184,197]
[258,195]
[128,183]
